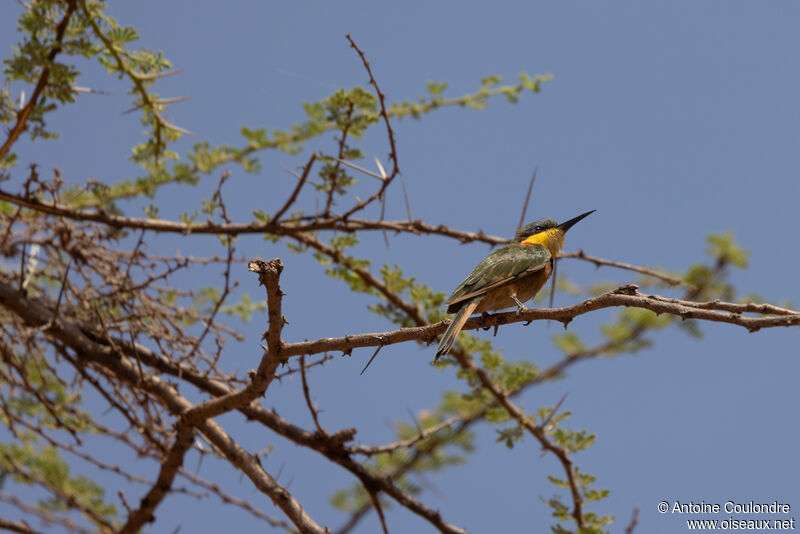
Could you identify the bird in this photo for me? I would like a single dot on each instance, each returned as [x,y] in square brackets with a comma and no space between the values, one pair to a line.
[508,277]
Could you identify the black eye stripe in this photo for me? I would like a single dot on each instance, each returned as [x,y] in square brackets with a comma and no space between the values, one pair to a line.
[535,228]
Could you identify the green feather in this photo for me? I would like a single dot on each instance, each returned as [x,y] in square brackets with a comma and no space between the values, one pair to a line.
[504,264]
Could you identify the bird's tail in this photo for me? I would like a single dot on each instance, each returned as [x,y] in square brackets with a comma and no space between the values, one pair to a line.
[449,336]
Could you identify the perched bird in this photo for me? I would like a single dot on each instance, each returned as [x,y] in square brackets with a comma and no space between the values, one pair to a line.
[507,277]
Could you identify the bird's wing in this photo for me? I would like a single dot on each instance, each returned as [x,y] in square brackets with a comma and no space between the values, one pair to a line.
[499,267]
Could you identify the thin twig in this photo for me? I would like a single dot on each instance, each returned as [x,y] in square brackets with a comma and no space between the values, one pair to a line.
[307,395]
[376,503]
[301,182]
[527,199]
[669,280]
[633,522]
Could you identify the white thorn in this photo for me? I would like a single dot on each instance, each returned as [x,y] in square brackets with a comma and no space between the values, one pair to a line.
[380,167]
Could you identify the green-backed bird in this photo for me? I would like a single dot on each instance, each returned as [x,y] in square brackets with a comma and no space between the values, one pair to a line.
[507,277]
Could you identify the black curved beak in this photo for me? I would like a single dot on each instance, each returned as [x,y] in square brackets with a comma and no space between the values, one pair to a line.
[570,223]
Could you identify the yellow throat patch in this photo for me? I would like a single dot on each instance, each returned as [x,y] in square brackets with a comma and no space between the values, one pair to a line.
[553,239]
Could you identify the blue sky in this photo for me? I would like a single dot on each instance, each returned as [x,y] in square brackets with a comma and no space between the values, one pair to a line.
[673,120]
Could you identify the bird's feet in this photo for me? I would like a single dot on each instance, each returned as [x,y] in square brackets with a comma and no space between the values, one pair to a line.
[520,306]
[485,315]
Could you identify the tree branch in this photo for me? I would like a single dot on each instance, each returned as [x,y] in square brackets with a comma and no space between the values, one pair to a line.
[163,484]
[669,280]
[16,526]
[296,227]
[390,133]
[300,183]
[22,115]
[627,296]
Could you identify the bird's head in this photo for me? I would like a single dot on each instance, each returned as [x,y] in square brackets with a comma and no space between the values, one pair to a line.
[546,232]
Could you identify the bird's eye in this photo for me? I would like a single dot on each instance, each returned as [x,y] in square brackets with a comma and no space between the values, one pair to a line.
[537,228]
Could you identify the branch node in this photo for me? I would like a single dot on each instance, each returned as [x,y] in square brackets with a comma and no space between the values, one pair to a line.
[342,436]
[627,289]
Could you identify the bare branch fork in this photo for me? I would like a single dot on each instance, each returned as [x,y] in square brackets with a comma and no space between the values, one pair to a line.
[268,275]
[197,417]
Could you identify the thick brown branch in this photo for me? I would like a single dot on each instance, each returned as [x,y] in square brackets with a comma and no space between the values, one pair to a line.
[625,296]
[163,484]
[268,275]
